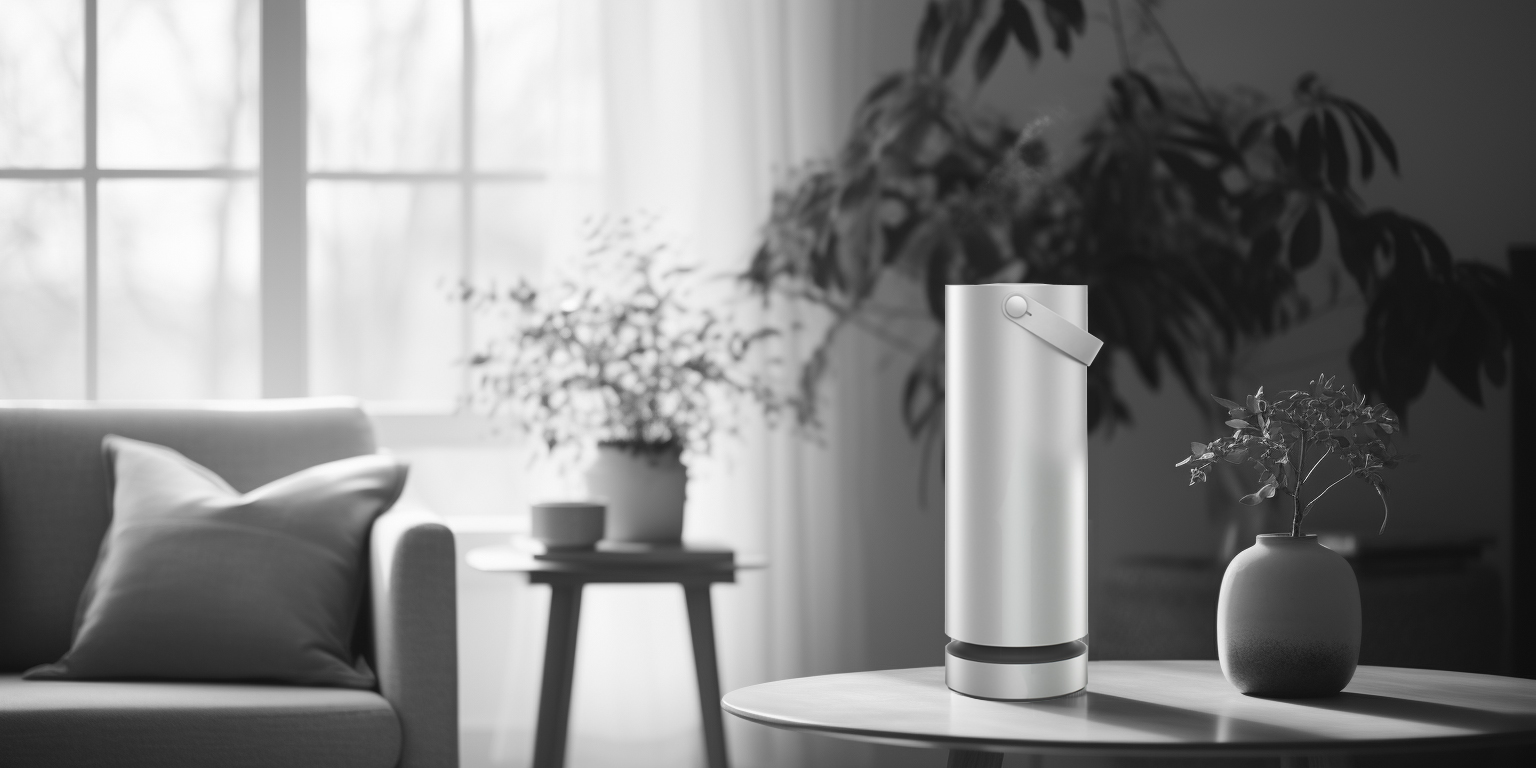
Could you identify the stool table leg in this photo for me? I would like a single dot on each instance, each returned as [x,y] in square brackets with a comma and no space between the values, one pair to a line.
[701,622]
[559,670]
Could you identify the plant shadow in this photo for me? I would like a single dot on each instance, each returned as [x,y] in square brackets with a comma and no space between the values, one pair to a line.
[1429,713]
[1169,724]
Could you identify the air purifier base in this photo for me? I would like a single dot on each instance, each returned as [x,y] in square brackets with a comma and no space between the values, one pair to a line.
[1016,682]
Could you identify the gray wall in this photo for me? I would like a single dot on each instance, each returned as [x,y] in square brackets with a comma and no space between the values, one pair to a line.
[1450,82]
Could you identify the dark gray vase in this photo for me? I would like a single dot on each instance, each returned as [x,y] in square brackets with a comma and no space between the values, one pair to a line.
[1288,619]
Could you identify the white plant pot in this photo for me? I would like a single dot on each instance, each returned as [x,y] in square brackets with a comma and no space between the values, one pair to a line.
[1288,619]
[645,493]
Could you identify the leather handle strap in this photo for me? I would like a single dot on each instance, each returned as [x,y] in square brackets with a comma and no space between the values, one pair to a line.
[1054,329]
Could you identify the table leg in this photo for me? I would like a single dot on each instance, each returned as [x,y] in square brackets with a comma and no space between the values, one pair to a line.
[969,758]
[559,669]
[701,623]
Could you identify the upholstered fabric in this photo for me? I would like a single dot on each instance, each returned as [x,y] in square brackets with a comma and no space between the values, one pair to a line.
[54,505]
[198,582]
[415,633]
[54,510]
[58,724]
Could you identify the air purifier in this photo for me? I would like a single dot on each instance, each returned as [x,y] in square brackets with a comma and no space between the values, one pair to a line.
[1016,489]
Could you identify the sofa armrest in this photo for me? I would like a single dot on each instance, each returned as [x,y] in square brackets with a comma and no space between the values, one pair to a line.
[415,632]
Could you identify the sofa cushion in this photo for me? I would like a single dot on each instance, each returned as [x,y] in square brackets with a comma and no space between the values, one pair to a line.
[54,505]
[169,725]
[198,582]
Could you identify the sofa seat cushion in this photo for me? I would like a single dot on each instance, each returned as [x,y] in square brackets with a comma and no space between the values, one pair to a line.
[61,724]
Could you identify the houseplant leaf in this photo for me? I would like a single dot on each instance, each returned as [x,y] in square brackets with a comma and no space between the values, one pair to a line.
[1338,155]
[1306,239]
[1309,150]
[1228,404]
[1363,144]
[1023,28]
[1378,133]
[991,50]
[1063,16]
[928,34]
[1283,144]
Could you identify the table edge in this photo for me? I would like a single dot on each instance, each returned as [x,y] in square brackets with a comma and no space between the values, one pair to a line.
[1229,749]
[557,566]
[1161,749]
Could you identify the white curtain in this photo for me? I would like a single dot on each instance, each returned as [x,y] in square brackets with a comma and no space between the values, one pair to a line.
[691,110]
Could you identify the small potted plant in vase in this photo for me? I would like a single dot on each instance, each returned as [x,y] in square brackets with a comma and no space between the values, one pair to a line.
[623,360]
[1288,617]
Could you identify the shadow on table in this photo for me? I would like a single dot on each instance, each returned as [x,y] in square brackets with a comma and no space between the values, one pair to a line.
[1428,713]
[1167,722]
[1494,758]
[1509,758]
[1163,723]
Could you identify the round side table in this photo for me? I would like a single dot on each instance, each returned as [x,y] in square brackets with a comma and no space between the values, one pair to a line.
[1153,708]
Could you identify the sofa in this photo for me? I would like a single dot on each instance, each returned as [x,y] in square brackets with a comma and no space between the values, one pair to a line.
[54,510]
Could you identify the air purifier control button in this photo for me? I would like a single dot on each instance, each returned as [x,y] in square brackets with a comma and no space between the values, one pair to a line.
[1016,306]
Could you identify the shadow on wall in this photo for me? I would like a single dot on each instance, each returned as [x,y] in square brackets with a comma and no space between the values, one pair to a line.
[1441,81]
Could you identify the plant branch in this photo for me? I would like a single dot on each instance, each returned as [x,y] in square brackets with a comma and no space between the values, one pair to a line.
[1115,21]
[1295,520]
[1326,490]
[1297,510]
[1319,462]
[1178,61]
[1385,512]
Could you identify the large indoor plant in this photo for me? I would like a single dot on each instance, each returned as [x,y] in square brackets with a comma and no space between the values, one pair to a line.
[627,358]
[1190,212]
[1288,615]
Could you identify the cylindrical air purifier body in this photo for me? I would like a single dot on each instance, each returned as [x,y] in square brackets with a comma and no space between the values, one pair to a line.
[1016,489]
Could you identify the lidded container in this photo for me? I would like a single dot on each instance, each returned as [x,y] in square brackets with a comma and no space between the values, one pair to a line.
[1016,489]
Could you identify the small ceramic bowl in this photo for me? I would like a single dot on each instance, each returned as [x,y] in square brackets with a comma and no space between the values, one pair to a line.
[568,524]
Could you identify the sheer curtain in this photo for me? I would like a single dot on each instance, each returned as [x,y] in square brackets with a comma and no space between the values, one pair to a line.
[692,110]
[689,110]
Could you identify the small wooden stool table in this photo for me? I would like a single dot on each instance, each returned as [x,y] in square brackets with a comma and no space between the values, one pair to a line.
[1154,708]
[692,567]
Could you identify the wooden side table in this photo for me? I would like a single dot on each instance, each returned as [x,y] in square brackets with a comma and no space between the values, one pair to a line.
[566,580]
[1154,708]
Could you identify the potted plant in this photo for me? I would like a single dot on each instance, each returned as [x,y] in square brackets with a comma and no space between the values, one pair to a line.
[624,359]
[1190,212]
[1288,616]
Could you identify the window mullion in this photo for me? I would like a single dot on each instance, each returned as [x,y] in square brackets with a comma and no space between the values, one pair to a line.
[467,181]
[284,219]
[92,228]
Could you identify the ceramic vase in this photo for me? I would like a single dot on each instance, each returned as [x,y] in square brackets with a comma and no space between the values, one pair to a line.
[1288,619]
[644,490]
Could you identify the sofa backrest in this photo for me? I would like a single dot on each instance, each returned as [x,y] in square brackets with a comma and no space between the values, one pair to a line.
[55,505]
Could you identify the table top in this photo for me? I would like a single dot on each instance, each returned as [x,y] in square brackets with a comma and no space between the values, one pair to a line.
[1155,707]
[600,567]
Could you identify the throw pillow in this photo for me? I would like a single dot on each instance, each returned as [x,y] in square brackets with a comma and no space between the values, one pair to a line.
[196,581]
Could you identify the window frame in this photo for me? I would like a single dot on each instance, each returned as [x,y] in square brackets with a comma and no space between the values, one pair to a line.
[90,174]
[466,177]
[283,176]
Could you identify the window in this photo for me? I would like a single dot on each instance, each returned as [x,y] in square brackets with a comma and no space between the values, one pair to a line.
[428,148]
[182,216]
[128,199]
